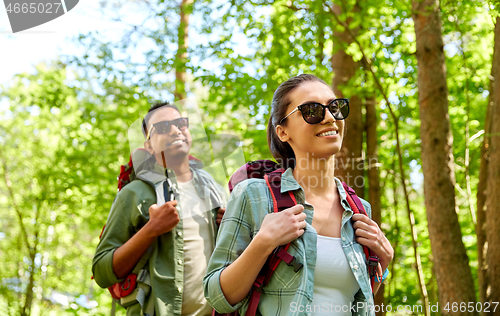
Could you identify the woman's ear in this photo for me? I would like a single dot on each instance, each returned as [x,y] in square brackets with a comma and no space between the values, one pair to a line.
[282,134]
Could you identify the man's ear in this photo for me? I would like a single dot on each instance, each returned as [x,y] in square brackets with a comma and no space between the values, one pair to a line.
[148,147]
[282,134]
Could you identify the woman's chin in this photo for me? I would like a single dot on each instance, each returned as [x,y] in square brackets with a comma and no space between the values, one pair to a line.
[323,154]
[327,152]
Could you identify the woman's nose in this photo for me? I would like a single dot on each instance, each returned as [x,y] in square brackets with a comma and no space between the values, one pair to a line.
[328,116]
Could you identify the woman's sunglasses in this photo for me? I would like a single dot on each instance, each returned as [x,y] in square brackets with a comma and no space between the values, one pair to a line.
[314,112]
[164,127]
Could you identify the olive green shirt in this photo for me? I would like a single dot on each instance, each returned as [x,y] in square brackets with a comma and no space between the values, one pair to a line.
[129,213]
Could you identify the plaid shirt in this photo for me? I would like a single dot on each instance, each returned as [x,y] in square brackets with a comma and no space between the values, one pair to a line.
[288,292]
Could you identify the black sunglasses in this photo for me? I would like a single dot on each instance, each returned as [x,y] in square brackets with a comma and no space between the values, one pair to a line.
[164,127]
[314,112]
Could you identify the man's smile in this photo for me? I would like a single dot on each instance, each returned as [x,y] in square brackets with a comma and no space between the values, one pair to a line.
[177,141]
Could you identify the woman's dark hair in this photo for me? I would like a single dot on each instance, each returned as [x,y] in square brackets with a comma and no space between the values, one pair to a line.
[156,106]
[282,151]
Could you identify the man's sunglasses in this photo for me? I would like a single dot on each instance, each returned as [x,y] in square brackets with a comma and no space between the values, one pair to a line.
[314,112]
[164,127]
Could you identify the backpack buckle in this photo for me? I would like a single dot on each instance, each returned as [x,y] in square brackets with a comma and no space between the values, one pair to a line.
[258,283]
[373,261]
[372,265]
[126,285]
[290,260]
[295,264]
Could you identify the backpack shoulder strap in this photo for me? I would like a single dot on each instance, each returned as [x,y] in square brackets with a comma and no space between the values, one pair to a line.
[145,257]
[372,259]
[357,207]
[281,201]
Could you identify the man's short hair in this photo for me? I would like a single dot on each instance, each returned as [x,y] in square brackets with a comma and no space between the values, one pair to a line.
[145,120]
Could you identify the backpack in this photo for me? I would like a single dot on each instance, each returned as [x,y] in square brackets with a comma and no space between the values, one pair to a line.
[137,284]
[127,171]
[271,172]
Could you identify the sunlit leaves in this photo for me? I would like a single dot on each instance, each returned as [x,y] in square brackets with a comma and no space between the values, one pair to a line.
[62,146]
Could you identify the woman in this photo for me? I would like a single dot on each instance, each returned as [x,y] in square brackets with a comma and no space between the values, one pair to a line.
[305,131]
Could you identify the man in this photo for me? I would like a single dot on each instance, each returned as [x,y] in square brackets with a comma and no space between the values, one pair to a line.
[180,234]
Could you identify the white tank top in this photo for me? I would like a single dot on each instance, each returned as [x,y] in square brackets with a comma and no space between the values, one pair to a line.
[334,282]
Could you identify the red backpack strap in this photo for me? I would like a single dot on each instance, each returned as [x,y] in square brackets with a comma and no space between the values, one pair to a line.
[372,259]
[125,171]
[281,201]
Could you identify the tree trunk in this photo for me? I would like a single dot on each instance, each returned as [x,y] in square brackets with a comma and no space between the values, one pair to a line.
[320,55]
[418,262]
[349,161]
[367,64]
[374,178]
[28,302]
[395,244]
[183,44]
[451,263]
[492,196]
[372,157]
[467,144]
[481,195]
